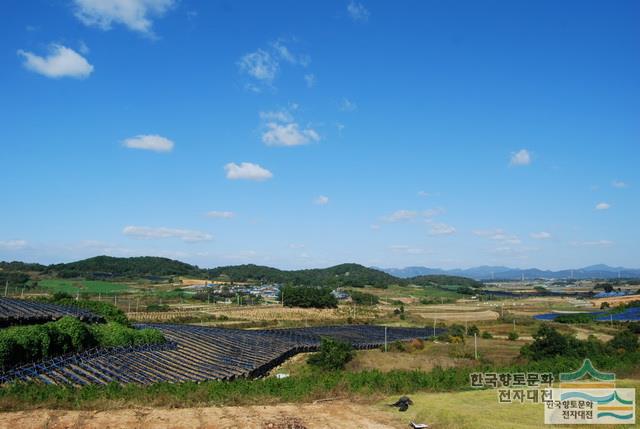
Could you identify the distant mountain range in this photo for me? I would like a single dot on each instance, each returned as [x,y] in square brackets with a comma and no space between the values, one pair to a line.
[485,272]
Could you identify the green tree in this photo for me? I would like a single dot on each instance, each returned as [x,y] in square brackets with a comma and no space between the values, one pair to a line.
[333,354]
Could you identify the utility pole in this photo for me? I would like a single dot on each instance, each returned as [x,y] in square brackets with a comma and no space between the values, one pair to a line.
[6,288]
[434,328]
[475,345]
[137,302]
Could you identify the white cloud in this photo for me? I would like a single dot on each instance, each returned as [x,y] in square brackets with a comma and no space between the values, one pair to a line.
[221,214]
[542,235]
[60,62]
[134,14]
[347,105]
[247,171]
[401,215]
[498,235]
[357,11]
[149,233]
[522,157]
[321,200]
[13,244]
[441,229]
[424,194]
[619,184]
[290,134]
[264,64]
[282,130]
[151,142]
[310,79]
[603,206]
[259,65]
[593,243]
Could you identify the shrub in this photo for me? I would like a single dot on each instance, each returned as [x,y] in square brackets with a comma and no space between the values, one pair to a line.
[473,330]
[625,341]
[513,335]
[333,354]
[487,335]
[23,344]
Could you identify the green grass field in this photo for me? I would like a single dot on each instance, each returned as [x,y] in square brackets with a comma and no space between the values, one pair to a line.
[84,286]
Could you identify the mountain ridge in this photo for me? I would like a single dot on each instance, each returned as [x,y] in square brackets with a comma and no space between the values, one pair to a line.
[486,272]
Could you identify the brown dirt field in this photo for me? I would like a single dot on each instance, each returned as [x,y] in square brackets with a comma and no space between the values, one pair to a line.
[335,415]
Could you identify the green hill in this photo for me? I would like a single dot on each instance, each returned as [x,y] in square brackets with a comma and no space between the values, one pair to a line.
[109,266]
[354,275]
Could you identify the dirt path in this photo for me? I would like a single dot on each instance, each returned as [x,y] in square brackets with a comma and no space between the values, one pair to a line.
[335,415]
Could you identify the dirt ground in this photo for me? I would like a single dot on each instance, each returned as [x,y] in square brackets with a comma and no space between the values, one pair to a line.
[334,415]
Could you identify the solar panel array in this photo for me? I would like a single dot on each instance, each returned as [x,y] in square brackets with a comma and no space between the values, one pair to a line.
[195,353]
[22,312]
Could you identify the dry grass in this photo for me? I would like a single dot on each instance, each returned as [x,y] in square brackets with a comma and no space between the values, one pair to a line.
[481,410]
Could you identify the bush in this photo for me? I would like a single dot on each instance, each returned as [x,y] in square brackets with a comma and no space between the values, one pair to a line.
[625,341]
[333,354]
[487,335]
[362,298]
[23,344]
[473,330]
[513,335]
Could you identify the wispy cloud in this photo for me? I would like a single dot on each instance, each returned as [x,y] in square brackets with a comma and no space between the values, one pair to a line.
[603,206]
[400,215]
[357,11]
[13,244]
[152,142]
[619,184]
[263,65]
[215,214]
[520,158]
[260,65]
[542,235]
[149,233]
[247,171]
[498,235]
[441,229]
[310,79]
[347,105]
[137,15]
[592,243]
[60,62]
[321,200]
[403,248]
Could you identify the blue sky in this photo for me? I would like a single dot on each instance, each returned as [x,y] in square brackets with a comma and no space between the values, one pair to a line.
[305,134]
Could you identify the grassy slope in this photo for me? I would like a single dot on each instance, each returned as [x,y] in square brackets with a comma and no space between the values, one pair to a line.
[85,286]
[481,410]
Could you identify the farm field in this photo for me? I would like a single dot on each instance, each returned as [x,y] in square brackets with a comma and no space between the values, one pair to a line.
[72,287]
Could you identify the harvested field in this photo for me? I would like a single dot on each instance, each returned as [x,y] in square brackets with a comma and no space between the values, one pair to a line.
[253,313]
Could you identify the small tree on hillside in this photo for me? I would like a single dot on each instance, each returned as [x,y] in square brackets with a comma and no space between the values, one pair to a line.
[333,354]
